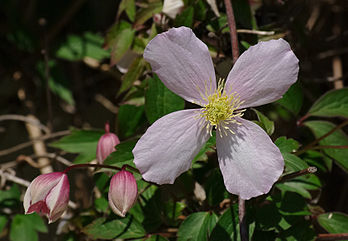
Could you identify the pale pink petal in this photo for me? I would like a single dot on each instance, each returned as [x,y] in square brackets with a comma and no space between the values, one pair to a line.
[263,73]
[168,147]
[39,188]
[123,192]
[183,63]
[172,7]
[249,161]
[58,198]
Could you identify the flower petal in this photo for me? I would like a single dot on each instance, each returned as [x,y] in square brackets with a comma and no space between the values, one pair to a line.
[249,161]
[172,7]
[58,198]
[183,63]
[263,73]
[169,145]
[39,188]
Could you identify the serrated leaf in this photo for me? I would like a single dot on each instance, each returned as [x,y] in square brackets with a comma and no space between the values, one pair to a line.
[197,227]
[121,44]
[334,222]
[77,47]
[264,122]
[83,142]
[160,101]
[293,163]
[129,6]
[123,228]
[333,103]
[292,99]
[3,222]
[339,138]
[215,188]
[301,185]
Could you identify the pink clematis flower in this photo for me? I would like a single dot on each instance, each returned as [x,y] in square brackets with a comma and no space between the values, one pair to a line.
[249,161]
[48,194]
[106,144]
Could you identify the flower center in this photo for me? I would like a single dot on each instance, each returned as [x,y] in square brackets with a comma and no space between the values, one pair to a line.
[221,110]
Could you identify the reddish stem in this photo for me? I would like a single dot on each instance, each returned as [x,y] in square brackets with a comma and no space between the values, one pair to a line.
[124,167]
[233,30]
[332,236]
[107,127]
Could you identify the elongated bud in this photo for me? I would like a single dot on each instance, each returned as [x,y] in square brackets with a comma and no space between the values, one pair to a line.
[106,144]
[48,194]
[123,192]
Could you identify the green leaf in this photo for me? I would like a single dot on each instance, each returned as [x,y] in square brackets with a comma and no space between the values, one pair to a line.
[301,185]
[320,128]
[134,72]
[197,226]
[286,145]
[129,6]
[293,163]
[122,228]
[333,103]
[25,227]
[121,44]
[160,101]
[10,197]
[264,122]
[293,204]
[129,119]
[122,155]
[101,204]
[77,47]
[185,18]
[334,222]
[227,227]
[83,142]
[293,99]
[3,222]
[156,238]
[146,13]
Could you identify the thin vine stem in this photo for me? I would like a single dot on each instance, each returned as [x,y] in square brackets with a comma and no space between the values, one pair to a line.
[101,166]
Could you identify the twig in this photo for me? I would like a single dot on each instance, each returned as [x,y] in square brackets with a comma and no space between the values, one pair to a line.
[257,32]
[233,31]
[29,143]
[332,236]
[312,144]
[309,170]
[39,148]
[27,119]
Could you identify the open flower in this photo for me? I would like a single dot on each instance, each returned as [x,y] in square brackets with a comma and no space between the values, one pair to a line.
[249,161]
[48,194]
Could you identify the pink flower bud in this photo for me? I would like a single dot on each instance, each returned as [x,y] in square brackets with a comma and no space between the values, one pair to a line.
[106,144]
[123,192]
[48,194]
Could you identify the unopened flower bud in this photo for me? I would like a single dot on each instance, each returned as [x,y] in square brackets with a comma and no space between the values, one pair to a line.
[123,192]
[106,144]
[48,194]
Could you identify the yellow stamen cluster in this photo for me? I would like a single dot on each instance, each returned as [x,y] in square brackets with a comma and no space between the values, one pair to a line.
[220,110]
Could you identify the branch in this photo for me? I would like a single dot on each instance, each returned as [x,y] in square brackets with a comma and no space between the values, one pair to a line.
[29,143]
[27,119]
[257,32]
[332,236]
